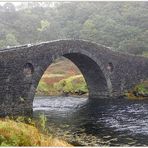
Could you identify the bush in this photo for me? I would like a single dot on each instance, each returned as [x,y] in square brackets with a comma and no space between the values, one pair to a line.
[140,91]
[72,85]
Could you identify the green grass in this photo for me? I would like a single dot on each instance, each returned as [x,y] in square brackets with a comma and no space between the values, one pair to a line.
[46,89]
[140,91]
[43,87]
[145,53]
[72,85]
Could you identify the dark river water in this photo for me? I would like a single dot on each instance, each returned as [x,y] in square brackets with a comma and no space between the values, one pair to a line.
[99,122]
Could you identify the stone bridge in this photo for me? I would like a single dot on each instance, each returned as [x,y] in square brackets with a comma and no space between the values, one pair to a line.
[107,73]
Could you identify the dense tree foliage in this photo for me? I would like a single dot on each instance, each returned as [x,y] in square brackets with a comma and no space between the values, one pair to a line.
[120,25]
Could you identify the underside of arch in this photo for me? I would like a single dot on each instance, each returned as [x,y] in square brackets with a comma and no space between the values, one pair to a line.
[92,73]
[94,77]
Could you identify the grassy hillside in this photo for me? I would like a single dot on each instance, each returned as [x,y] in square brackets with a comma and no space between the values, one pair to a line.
[62,77]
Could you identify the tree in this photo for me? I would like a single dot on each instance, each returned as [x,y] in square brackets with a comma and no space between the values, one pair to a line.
[44,25]
[120,25]
[11,40]
[89,30]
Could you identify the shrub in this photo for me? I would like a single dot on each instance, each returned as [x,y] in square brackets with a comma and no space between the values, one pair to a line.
[72,85]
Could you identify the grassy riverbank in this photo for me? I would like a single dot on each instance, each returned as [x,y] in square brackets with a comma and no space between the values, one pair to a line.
[140,91]
[74,85]
[16,133]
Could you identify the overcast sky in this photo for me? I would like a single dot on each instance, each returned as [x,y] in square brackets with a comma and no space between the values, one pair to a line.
[15,3]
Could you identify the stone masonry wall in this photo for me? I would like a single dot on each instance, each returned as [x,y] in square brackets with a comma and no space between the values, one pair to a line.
[107,73]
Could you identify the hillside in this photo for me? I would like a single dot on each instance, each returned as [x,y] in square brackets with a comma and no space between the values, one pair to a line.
[60,72]
[120,25]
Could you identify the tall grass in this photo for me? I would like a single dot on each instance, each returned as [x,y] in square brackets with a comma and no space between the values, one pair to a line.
[17,133]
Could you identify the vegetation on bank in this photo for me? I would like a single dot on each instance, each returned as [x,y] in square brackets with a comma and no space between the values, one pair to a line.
[62,78]
[73,85]
[17,133]
[140,91]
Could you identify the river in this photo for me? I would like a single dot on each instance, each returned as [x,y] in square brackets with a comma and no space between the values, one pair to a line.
[95,122]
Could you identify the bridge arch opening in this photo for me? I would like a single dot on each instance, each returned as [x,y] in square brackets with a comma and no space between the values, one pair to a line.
[63,78]
[93,74]
[95,79]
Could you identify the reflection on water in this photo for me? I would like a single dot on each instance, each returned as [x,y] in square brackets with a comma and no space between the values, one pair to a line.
[89,122]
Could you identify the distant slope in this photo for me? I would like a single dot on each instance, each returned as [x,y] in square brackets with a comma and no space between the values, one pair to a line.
[62,70]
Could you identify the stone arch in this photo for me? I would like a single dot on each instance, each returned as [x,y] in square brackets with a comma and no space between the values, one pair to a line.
[90,58]
[94,77]
[112,66]
[98,81]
